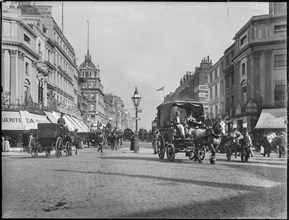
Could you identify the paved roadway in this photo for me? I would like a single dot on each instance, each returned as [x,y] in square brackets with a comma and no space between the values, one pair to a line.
[124,184]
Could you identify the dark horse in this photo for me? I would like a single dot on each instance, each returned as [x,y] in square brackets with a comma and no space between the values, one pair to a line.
[210,137]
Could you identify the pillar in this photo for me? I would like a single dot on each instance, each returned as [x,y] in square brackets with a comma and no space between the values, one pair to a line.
[13,76]
[257,77]
[21,76]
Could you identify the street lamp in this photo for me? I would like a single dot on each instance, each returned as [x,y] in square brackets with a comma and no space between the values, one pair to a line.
[136,100]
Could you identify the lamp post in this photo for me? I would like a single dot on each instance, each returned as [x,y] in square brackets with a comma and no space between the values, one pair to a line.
[136,100]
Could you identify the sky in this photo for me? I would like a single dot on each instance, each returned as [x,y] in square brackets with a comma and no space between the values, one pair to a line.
[149,45]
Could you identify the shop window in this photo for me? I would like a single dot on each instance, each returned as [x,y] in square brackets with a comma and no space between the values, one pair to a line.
[280,93]
[280,60]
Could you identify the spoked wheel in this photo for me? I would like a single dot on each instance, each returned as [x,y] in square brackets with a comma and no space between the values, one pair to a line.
[171,152]
[34,152]
[161,147]
[229,153]
[47,152]
[201,154]
[67,151]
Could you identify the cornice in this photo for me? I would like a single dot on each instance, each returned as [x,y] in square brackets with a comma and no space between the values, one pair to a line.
[22,46]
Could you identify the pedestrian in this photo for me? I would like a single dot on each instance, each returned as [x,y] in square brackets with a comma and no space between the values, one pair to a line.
[248,142]
[6,144]
[100,142]
[266,145]
[62,123]
[132,141]
[3,148]
[282,143]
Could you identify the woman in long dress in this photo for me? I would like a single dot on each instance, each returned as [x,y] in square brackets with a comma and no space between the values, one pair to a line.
[6,144]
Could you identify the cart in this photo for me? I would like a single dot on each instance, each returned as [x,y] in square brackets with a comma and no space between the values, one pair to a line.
[168,141]
[236,146]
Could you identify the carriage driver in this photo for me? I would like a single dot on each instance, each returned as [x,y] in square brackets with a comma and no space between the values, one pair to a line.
[61,121]
[236,135]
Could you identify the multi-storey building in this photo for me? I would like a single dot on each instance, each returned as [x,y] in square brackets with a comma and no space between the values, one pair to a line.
[92,90]
[260,62]
[214,91]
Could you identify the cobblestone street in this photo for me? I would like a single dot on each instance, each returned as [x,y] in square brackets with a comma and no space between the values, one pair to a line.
[124,184]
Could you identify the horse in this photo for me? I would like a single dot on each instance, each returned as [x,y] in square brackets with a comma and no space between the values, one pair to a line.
[210,137]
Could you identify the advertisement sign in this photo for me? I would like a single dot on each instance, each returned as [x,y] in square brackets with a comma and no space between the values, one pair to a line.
[45,11]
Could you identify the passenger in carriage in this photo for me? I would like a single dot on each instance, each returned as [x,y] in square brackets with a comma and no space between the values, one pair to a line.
[177,122]
[191,123]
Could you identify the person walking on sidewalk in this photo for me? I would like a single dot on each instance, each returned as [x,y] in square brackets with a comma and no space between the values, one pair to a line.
[100,140]
[6,144]
[248,142]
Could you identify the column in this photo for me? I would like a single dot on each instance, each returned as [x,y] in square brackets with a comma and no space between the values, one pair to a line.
[250,81]
[34,82]
[21,75]
[268,77]
[13,76]
[236,88]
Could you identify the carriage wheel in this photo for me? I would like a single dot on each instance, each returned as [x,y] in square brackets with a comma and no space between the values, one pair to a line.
[171,152]
[201,154]
[229,153]
[47,152]
[161,147]
[67,148]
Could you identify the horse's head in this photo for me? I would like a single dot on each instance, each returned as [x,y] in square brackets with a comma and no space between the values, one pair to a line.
[219,127]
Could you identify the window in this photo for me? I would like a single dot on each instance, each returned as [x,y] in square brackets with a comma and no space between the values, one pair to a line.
[280,60]
[216,74]
[280,93]
[216,111]
[280,28]
[92,107]
[211,93]
[243,69]
[216,91]
[243,40]
[222,87]
[39,47]
[26,39]
[87,74]
[92,96]
[232,80]
[27,68]
[211,77]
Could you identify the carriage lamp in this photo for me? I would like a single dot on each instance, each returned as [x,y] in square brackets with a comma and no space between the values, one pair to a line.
[136,100]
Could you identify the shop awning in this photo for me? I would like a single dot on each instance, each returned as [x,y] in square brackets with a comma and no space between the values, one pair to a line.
[85,126]
[72,122]
[69,123]
[51,117]
[81,128]
[272,118]
[40,118]
[12,121]
[28,120]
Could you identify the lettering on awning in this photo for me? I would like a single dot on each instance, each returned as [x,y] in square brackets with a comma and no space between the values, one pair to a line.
[13,120]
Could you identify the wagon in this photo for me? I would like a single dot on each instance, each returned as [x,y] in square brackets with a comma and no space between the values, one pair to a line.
[168,141]
[238,147]
[49,139]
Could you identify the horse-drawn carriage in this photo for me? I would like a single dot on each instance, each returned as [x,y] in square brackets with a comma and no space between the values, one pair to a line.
[194,145]
[233,145]
[50,136]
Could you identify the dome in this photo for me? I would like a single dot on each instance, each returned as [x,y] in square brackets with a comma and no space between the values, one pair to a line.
[87,62]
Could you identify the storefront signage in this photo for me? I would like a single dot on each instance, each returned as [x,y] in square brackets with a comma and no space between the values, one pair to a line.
[251,107]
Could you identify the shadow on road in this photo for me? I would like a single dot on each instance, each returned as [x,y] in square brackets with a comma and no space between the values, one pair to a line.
[177,180]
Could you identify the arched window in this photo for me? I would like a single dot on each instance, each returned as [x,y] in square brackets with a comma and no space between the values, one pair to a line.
[26,89]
